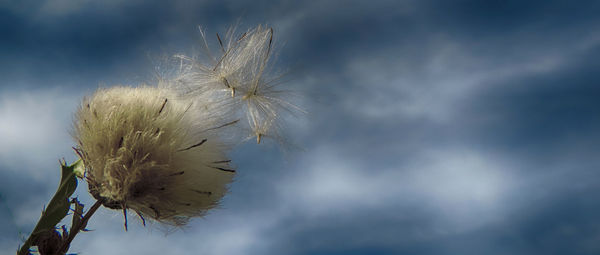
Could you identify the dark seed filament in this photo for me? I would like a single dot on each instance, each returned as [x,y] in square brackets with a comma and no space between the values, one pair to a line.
[220,42]
[195,145]
[224,80]
[203,192]
[141,217]
[224,169]
[224,125]
[163,106]
[125,216]
[155,211]
[242,37]
[178,173]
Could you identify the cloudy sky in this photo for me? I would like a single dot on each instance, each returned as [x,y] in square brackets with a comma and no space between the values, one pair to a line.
[433,127]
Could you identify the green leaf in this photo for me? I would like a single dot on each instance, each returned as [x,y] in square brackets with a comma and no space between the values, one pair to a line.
[58,207]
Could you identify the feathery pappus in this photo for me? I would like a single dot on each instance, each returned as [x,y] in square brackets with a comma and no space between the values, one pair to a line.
[143,152]
[243,67]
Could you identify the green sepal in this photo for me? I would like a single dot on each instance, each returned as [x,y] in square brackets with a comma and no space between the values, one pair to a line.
[77,222]
[79,168]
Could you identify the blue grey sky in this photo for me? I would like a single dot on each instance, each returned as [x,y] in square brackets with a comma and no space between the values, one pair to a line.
[433,127]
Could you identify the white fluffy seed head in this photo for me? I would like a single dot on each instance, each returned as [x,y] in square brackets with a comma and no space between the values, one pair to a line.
[148,150]
[160,151]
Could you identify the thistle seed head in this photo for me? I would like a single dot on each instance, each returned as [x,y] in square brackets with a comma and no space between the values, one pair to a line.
[146,150]
[160,151]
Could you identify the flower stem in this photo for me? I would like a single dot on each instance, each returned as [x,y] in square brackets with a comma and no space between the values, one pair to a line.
[65,245]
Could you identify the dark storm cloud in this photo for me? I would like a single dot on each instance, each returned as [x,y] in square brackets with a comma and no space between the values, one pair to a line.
[489,28]
[95,43]
[496,35]
[543,120]
[549,123]
[541,115]
[15,190]
[492,19]
[503,92]
[306,235]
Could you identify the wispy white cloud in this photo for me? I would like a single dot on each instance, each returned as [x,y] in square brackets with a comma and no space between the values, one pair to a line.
[227,233]
[395,85]
[34,128]
[459,186]
[465,188]
[54,8]
[49,9]
[34,135]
